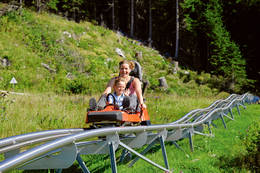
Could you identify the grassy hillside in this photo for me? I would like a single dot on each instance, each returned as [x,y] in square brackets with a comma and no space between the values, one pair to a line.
[81,57]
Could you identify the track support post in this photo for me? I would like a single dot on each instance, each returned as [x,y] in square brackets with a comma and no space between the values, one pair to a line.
[209,127]
[164,152]
[112,157]
[223,121]
[231,113]
[190,141]
[238,110]
[82,164]
[58,170]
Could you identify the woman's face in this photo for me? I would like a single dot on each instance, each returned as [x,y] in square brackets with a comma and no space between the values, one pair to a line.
[124,70]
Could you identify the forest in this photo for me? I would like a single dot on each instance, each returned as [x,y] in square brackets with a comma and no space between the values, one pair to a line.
[213,36]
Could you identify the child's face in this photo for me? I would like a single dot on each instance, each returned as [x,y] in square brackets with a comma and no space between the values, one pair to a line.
[120,88]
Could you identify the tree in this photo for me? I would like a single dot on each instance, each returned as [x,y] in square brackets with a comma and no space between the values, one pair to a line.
[204,21]
[132,19]
[150,24]
[177,31]
[113,14]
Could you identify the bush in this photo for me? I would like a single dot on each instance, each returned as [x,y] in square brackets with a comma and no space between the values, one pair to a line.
[76,86]
[252,138]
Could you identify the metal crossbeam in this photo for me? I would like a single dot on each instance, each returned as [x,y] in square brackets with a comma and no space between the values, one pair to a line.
[143,152]
[143,157]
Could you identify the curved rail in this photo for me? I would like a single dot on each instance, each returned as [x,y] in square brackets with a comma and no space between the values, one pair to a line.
[67,145]
[35,135]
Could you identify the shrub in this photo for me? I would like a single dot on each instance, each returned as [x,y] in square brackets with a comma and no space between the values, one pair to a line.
[76,86]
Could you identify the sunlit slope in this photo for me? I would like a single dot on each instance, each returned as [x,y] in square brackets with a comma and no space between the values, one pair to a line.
[46,52]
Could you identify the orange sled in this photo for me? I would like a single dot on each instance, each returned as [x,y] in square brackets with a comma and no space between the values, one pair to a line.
[110,116]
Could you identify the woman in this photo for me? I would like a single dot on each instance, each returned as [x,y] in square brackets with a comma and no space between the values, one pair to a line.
[133,87]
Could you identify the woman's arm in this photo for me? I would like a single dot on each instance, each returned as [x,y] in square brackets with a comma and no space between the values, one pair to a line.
[109,87]
[138,90]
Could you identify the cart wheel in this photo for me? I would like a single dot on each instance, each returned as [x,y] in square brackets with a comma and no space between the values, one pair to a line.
[146,123]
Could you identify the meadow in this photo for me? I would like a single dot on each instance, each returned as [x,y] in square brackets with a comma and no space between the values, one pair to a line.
[36,112]
[231,150]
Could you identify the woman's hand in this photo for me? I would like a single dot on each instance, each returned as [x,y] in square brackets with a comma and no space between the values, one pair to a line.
[127,92]
[143,106]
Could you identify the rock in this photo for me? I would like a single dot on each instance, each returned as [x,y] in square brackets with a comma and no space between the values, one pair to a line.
[120,52]
[70,76]
[5,62]
[12,6]
[67,34]
[4,93]
[119,33]
[186,72]
[48,68]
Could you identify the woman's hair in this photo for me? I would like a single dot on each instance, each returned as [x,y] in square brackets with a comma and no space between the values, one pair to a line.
[130,63]
[118,80]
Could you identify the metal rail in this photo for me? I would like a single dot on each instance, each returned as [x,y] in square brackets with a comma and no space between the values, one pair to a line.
[62,147]
[35,135]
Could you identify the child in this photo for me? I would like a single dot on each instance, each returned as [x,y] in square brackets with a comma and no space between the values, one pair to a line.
[119,93]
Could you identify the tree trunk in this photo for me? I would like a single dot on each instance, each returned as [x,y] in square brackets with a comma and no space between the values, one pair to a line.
[113,14]
[95,10]
[150,24]
[38,4]
[139,56]
[132,19]
[74,14]
[177,31]
[124,16]
[176,66]
[163,82]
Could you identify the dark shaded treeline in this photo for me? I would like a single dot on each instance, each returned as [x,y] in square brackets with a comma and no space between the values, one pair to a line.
[200,34]
[242,20]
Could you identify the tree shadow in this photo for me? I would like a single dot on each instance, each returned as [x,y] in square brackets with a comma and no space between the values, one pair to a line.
[249,162]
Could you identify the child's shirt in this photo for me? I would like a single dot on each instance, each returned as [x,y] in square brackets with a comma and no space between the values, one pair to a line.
[118,100]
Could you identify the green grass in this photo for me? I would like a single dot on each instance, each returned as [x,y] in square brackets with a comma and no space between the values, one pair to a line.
[226,152]
[52,111]
[31,113]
